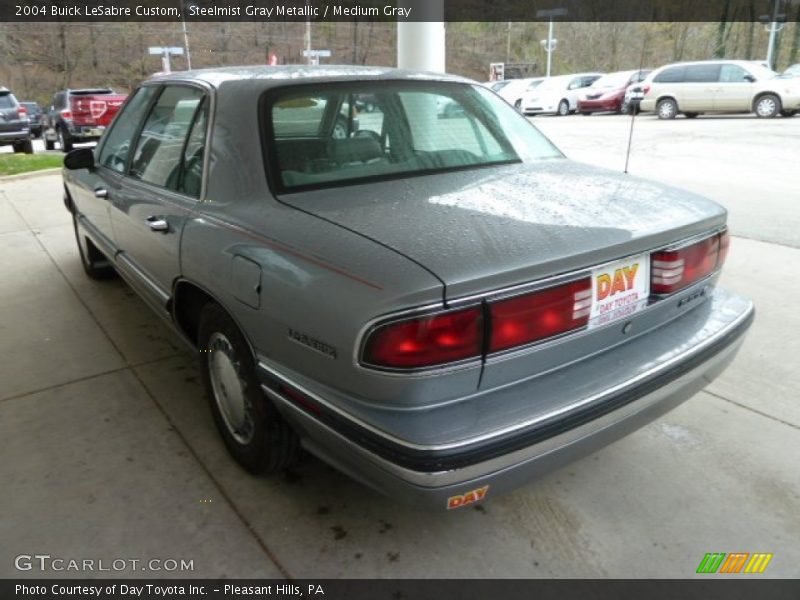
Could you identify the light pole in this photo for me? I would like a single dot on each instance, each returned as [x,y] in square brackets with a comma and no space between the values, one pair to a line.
[186,44]
[550,43]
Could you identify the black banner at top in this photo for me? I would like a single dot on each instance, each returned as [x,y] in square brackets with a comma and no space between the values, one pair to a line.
[398,10]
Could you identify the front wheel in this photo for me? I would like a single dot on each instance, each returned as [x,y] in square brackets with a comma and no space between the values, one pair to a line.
[667,108]
[64,140]
[251,427]
[94,263]
[768,106]
[563,108]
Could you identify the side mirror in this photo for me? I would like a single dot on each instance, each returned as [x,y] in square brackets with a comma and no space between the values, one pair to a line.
[80,158]
[750,78]
[636,90]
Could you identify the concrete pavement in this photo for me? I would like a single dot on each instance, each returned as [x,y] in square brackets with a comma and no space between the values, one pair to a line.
[109,450]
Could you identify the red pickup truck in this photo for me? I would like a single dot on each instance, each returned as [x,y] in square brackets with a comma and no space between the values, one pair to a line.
[77,116]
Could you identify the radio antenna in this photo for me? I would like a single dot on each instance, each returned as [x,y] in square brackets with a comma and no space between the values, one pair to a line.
[634,109]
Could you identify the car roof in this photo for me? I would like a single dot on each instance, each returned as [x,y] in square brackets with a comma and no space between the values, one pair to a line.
[283,75]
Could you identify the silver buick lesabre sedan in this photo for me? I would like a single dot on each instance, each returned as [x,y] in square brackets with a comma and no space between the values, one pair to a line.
[436,302]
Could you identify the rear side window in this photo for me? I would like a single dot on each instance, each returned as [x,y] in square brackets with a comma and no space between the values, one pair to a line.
[7,101]
[702,74]
[117,142]
[670,75]
[160,148]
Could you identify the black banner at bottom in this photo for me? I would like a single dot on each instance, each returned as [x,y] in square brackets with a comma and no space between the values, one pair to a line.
[401,589]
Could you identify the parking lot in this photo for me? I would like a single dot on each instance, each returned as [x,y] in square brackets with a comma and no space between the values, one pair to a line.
[109,449]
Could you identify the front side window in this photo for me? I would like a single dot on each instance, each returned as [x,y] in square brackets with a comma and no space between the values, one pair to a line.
[159,154]
[393,130]
[116,145]
[734,74]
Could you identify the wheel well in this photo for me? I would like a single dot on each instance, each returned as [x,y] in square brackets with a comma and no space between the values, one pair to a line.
[68,201]
[760,95]
[188,300]
[660,100]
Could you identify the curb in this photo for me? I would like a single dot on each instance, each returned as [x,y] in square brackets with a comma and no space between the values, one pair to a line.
[30,174]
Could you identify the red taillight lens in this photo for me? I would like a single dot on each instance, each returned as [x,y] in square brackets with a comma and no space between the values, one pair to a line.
[673,270]
[67,114]
[645,89]
[531,317]
[427,341]
[23,112]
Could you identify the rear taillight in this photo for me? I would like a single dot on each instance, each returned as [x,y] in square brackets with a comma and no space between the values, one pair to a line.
[543,314]
[673,270]
[645,89]
[23,112]
[427,341]
[66,114]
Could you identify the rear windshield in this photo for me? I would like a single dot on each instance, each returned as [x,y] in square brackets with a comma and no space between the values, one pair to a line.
[6,100]
[337,134]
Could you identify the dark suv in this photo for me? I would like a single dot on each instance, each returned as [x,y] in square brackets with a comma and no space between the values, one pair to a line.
[77,116]
[35,115]
[14,125]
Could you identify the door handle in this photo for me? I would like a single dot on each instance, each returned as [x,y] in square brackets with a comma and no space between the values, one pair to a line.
[100,192]
[157,224]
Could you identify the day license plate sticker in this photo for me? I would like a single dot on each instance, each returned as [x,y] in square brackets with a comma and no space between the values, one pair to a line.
[619,289]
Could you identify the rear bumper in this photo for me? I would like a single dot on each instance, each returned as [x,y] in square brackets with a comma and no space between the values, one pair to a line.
[430,476]
[609,105]
[12,137]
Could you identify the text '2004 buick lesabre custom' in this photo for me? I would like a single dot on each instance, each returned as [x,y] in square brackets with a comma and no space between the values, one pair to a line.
[399,272]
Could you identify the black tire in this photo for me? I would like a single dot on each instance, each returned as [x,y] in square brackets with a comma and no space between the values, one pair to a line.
[667,108]
[264,443]
[767,106]
[27,147]
[788,113]
[49,144]
[691,115]
[94,262]
[16,147]
[563,108]
[64,140]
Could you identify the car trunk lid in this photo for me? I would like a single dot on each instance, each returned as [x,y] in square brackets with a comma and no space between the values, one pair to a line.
[486,229]
[95,108]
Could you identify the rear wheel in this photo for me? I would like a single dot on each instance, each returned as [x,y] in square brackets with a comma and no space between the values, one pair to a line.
[563,108]
[667,108]
[768,106]
[64,140]
[95,264]
[251,427]
[49,144]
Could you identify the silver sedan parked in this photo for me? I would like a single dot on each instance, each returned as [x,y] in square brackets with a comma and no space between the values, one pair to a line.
[441,306]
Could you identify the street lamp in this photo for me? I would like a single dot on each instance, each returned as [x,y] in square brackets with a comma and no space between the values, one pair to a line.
[186,35]
[550,43]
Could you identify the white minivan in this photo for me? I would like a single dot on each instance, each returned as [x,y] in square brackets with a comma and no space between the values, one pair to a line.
[709,86]
[557,95]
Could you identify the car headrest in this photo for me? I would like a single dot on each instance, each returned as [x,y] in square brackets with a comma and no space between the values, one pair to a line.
[355,149]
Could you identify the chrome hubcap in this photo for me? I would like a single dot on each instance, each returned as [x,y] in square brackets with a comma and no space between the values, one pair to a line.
[563,109]
[229,388]
[666,110]
[766,107]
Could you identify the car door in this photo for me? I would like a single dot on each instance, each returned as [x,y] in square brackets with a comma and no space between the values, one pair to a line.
[93,190]
[701,88]
[160,190]
[736,87]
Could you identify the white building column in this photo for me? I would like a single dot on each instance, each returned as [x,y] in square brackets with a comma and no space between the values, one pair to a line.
[420,44]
